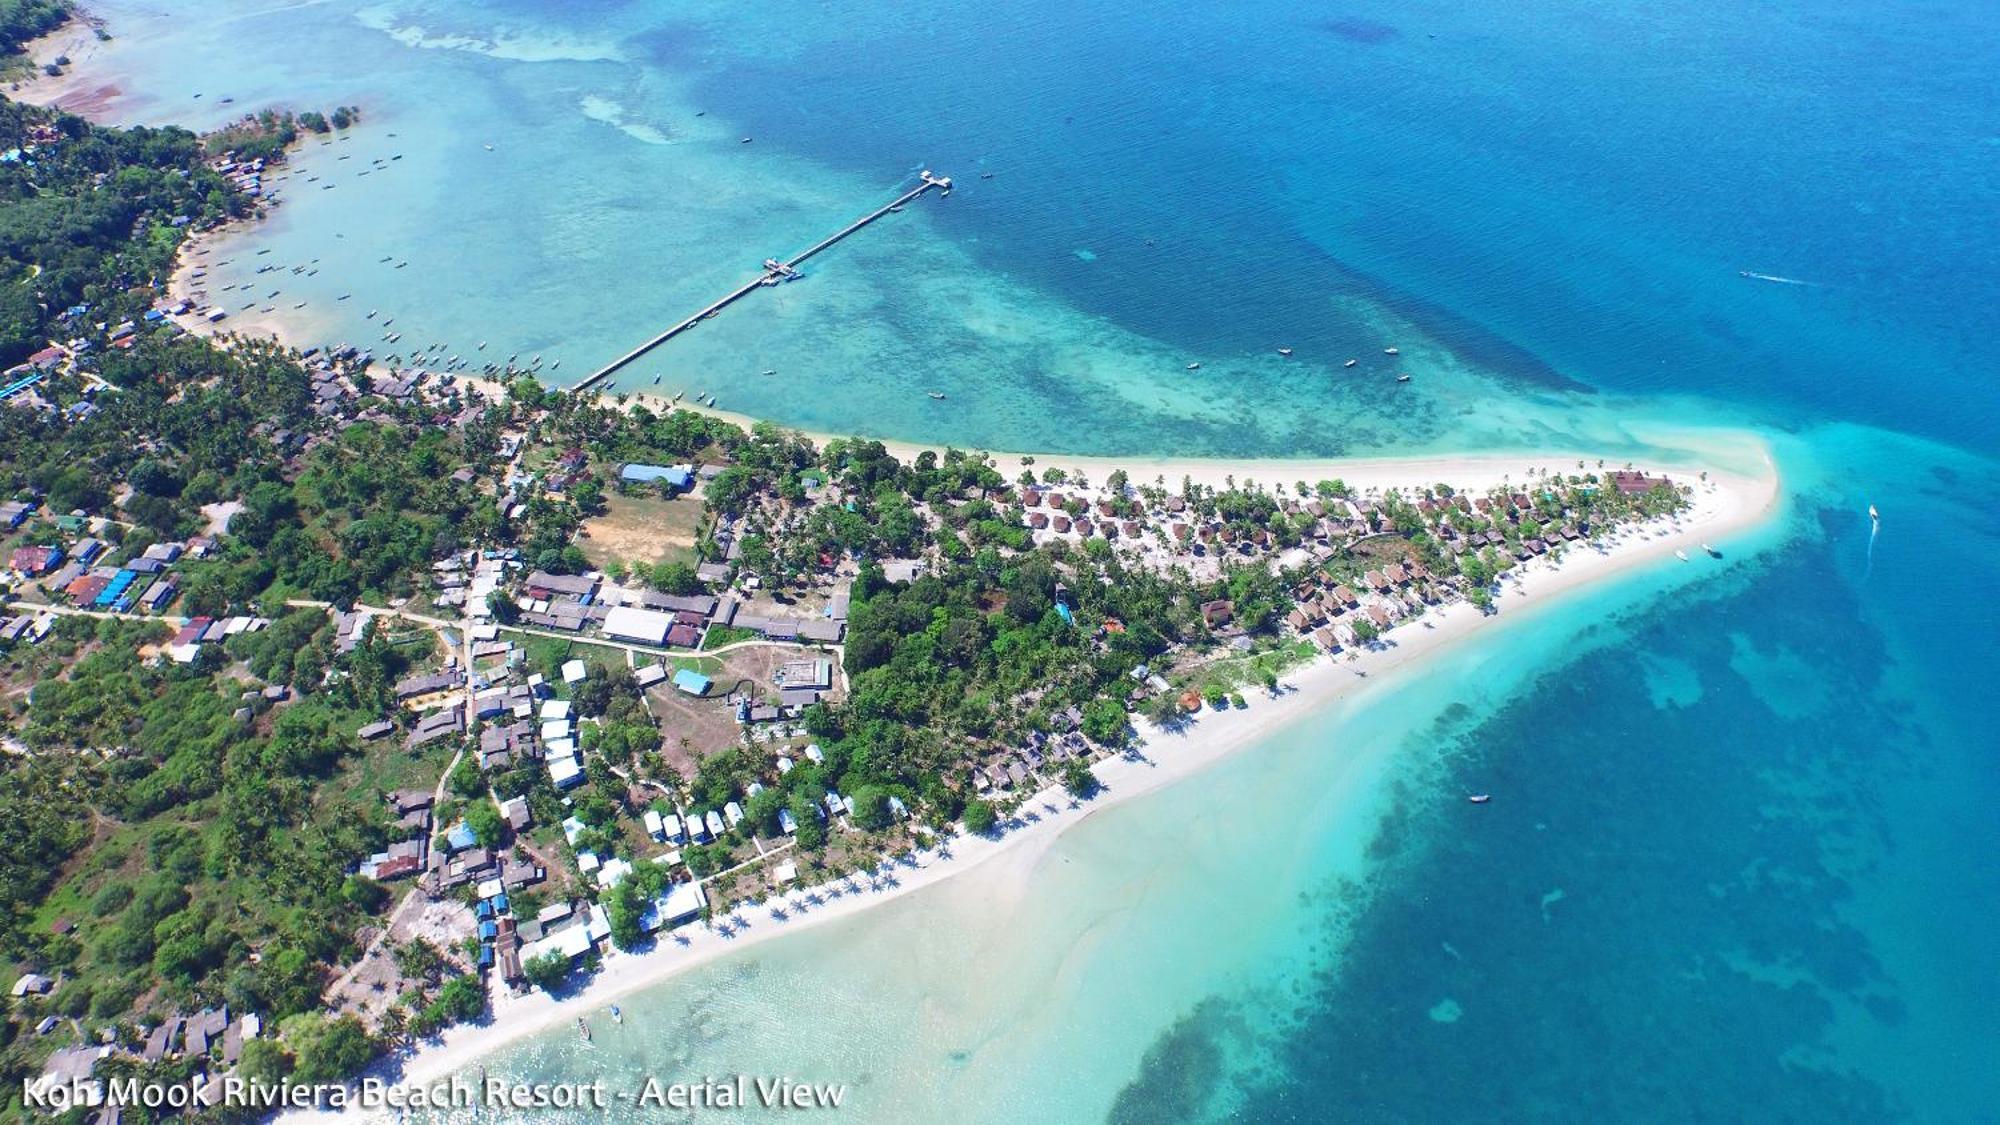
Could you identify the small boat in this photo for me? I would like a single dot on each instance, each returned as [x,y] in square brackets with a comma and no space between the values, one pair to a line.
[370,316]
[1194,367]
[1480,798]
[1284,351]
[656,380]
[1402,378]
[489,148]
[300,305]
[1350,363]
[1873,514]
[677,394]
[616,1015]
[985,175]
[1713,553]
[745,141]
[1680,554]
[896,209]
[771,371]
[583,1029]
[1391,351]
[343,296]
[935,394]
[482,345]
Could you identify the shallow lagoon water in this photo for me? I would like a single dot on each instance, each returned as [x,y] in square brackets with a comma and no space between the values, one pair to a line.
[1739,851]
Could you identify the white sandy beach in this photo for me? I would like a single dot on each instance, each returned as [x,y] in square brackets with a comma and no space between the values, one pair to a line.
[1713,450]
[1725,505]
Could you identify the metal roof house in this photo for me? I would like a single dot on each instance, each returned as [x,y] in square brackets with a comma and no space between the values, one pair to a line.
[678,477]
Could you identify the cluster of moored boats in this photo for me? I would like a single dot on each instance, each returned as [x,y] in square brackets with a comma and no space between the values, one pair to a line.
[1355,361]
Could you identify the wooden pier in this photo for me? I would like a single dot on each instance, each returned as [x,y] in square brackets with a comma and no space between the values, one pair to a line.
[775,271]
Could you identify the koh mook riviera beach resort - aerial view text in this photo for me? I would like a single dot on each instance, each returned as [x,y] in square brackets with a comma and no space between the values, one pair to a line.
[637,560]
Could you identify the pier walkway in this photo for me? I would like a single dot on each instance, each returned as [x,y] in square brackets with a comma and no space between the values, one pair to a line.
[775,271]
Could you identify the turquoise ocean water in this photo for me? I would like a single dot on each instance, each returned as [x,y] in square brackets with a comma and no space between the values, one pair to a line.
[1740,864]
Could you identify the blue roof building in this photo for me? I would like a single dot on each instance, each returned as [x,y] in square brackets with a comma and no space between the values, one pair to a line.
[691,681]
[114,590]
[674,475]
[461,837]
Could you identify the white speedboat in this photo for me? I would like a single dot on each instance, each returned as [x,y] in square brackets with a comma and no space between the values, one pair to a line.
[1681,555]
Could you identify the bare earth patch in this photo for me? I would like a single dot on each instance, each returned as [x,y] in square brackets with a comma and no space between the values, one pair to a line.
[642,530]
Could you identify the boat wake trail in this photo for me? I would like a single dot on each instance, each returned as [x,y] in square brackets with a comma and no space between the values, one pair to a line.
[1775,279]
[1874,529]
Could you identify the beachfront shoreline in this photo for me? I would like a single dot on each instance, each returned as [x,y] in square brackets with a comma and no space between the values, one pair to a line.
[78,89]
[1724,506]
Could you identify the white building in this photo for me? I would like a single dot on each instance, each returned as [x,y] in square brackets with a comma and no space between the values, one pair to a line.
[641,626]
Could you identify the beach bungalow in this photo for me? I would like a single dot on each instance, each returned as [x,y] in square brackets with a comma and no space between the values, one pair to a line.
[712,821]
[682,903]
[656,826]
[565,773]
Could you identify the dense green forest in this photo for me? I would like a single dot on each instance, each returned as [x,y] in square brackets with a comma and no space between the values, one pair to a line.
[92,216]
[157,851]
[22,20]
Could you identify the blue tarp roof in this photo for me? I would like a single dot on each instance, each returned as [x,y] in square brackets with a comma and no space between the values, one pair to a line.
[691,681]
[461,836]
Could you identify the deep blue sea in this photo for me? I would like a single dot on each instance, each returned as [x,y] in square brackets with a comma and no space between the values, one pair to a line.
[1744,868]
